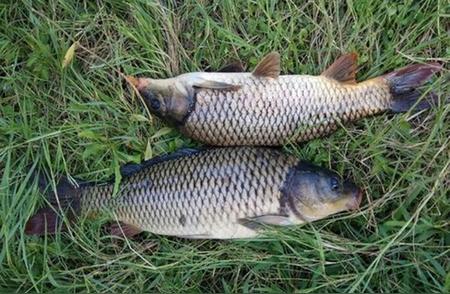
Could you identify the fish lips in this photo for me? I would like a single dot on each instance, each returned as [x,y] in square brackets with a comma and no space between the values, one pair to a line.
[355,198]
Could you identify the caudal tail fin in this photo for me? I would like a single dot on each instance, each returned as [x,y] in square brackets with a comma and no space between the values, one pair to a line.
[65,201]
[404,85]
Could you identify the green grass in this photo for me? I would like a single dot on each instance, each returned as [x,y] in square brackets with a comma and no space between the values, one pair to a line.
[82,121]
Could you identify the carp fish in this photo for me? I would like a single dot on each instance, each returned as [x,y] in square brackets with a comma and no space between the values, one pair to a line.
[265,108]
[218,193]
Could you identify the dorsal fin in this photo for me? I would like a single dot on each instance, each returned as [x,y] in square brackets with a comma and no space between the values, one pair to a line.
[269,66]
[131,168]
[232,67]
[343,69]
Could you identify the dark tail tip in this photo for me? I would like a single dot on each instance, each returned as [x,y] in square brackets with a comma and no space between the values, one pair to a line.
[47,220]
[403,85]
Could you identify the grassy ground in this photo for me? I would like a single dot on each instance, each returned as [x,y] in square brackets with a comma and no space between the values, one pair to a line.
[80,120]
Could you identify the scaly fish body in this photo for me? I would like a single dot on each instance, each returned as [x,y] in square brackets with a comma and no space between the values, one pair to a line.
[291,108]
[265,108]
[220,194]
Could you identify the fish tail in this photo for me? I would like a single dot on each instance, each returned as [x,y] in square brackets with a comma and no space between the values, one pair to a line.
[64,201]
[404,86]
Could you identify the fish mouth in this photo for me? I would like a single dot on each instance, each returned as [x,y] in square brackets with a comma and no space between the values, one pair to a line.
[132,80]
[138,83]
[354,203]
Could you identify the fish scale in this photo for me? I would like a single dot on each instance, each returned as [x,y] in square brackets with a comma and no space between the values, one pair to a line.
[272,112]
[201,195]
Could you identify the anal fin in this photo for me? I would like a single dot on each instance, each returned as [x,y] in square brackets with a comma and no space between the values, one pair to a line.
[120,229]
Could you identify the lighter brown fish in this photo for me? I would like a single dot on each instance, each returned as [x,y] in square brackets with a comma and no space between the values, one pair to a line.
[265,108]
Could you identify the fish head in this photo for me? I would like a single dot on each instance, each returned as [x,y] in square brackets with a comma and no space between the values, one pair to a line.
[170,99]
[315,193]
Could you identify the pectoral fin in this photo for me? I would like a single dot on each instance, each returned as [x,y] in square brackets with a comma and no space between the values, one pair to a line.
[269,66]
[343,69]
[269,219]
[210,84]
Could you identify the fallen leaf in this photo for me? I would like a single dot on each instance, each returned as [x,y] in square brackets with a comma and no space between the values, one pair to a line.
[161,132]
[139,117]
[68,57]
[148,151]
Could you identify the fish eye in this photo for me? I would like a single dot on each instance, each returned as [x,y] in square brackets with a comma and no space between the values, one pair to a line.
[334,184]
[151,99]
[155,104]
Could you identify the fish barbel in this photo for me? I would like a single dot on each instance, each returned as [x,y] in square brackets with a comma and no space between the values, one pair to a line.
[221,193]
[266,108]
